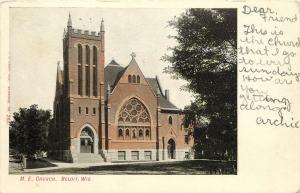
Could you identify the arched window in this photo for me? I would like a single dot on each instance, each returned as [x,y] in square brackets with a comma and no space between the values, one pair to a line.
[138,79]
[79,69]
[95,61]
[133,134]
[129,78]
[87,70]
[133,79]
[79,54]
[147,133]
[170,120]
[127,132]
[120,133]
[140,133]
[134,115]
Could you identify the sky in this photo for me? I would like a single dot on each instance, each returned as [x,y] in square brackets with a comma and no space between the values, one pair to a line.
[36,46]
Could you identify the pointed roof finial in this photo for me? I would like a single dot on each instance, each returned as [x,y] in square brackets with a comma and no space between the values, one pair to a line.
[69,21]
[59,73]
[102,26]
[133,55]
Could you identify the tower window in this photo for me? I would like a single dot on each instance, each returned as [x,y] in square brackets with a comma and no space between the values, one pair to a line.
[170,120]
[86,110]
[129,78]
[79,110]
[87,70]
[87,55]
[94,111]
[79,69]
[95,61]
[133,79]
[79,54]
[138,79]
[127,132]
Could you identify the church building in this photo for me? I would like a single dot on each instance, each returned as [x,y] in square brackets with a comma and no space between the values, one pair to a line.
[111,113]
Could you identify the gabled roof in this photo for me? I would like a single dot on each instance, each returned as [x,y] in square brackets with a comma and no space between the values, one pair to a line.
[114,71]
[163,102]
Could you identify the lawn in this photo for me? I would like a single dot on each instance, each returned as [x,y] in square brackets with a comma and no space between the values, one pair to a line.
[189,167]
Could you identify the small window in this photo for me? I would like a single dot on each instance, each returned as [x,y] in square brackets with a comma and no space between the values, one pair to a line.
[133,79]
[86,110]
[147,133]
[134,155]
[186,139]
[129,78]
[121,155]
[127,132]
[79,110]
[148,155]
[140,133]
[170,120]
[138,79]
[94,111]
[120,133]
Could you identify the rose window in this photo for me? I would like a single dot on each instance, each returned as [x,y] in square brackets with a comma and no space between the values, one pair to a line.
[132,116]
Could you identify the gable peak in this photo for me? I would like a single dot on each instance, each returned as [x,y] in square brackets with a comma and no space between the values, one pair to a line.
[114,63]
[133,61]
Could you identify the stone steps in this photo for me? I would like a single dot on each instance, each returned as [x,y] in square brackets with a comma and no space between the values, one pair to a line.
[89,158]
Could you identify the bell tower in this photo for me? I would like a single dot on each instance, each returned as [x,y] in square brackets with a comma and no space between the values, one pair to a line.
[83,90]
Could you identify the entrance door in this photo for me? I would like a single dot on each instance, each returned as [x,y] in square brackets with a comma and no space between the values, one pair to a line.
[86,146]
[171,149]
[86,141]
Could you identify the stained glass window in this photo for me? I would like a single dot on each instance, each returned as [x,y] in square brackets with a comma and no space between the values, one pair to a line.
[135,118]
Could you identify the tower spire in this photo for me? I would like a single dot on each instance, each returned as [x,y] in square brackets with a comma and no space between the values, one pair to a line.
[69,21]
[102,26]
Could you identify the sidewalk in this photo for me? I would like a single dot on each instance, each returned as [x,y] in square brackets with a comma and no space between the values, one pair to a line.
[61,165]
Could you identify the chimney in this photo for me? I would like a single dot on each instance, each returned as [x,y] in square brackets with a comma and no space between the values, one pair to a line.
[167,94]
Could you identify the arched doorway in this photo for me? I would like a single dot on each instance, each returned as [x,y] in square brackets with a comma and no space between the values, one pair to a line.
[87,141]
[171,149]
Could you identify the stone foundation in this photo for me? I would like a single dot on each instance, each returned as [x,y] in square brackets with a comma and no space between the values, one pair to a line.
[122,154]
[143,155]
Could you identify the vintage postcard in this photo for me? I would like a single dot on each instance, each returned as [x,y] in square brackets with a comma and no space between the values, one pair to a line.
[126,95]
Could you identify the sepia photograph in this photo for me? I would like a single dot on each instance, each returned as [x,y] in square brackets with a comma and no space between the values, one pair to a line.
[123,91]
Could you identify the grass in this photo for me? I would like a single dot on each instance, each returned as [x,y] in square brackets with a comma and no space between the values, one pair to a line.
[189,167]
